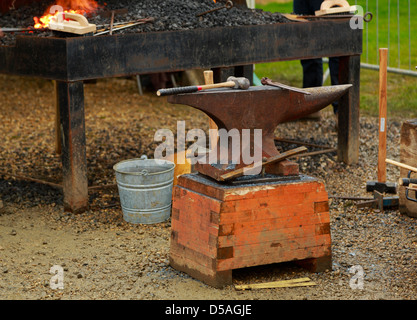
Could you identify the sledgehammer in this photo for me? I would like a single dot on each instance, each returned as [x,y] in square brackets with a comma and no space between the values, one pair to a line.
[381,185]
[232,82]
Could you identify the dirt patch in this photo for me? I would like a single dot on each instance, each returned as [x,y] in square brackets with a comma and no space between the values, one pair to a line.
[104,257]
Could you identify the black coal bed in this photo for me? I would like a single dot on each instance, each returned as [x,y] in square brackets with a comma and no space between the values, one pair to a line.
[225,49]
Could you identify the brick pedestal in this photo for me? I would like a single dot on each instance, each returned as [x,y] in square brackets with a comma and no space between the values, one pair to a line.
[217,228]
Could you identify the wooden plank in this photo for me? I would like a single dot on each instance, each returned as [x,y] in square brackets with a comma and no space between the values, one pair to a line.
[300,282]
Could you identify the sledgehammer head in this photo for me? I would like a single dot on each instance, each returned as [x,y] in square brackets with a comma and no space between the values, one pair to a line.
[382,187]
[240,83]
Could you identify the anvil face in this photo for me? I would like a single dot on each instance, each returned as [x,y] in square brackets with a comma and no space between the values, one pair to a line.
[259,107]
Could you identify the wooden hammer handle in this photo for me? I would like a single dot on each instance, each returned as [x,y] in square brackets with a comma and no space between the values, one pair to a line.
[401,165]
[191,89]
[382,149]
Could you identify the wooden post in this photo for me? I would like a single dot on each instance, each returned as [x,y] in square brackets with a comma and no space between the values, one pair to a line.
[382,147]
[208,79]
[74,160]
[348,111]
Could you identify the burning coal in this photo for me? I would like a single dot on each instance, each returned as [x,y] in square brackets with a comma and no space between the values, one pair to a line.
[71,6]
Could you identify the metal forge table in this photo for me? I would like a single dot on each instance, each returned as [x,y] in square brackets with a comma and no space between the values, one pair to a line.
[226,50]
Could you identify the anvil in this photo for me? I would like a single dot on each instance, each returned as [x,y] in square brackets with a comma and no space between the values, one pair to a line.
[259,107]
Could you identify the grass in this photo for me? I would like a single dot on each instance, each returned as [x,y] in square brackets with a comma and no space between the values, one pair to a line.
[402,90]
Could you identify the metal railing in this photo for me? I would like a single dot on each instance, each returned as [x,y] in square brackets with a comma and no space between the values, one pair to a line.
[393,30]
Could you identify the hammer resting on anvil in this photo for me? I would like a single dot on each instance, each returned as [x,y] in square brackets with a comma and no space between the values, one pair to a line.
[232,82]
[257,107]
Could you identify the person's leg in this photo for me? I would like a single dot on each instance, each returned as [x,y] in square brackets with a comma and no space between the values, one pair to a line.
[312,72]
[314,5]
[306,7]
[312,68]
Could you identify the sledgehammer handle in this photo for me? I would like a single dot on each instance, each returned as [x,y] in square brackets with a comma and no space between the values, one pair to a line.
[191,89]
[382,146]
[401,165]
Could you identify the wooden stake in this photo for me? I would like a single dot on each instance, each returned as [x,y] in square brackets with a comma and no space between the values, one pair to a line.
[382,149]
[111,23]
[214,136]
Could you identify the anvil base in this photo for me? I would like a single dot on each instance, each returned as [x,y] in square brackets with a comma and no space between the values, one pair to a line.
[217,228]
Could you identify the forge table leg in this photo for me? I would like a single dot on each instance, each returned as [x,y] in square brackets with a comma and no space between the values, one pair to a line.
[74,162]
[348,111]
[58,137]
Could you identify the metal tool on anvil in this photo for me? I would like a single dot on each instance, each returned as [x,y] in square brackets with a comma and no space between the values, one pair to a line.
[18,29]
[258,107]
[232,82]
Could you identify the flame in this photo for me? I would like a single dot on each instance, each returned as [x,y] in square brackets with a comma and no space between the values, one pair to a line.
[76,6]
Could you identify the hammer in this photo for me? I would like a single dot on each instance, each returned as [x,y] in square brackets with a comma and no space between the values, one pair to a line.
[232,82]
[381,185]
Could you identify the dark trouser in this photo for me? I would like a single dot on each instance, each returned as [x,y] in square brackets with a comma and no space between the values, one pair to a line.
[313,68]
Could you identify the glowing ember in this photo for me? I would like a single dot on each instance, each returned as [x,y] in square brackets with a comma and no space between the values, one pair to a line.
[77,6]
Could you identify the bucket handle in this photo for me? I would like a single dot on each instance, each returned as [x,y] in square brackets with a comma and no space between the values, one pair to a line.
[144,172]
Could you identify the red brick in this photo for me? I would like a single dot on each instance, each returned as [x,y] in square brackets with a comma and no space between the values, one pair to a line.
[216,229]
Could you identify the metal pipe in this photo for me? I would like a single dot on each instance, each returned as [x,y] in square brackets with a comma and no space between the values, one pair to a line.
[390,69]
[54,185]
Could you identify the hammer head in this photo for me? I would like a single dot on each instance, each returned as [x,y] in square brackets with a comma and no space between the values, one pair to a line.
[383,187]
[240,83]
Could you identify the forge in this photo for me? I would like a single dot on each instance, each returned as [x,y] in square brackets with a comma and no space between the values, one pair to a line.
[215,42]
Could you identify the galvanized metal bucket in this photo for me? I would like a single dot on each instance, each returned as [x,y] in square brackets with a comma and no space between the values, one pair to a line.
[145,189]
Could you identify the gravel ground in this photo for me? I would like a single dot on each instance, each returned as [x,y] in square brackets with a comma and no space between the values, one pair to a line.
[104,257]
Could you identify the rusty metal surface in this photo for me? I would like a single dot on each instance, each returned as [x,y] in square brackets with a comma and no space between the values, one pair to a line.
[74,160]
[256,108]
